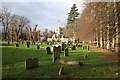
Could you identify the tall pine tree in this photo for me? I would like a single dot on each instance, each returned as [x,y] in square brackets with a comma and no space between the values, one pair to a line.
[72,17]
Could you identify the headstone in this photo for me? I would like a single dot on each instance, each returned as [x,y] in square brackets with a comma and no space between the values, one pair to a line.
[59,48]
[22,42]
[85,56]
[66,52]
[28,44]
[17,45]
[63,46]
[33,42]
[48,50]
[85,47]
[88,47]
[56,53]
[31,63]
[73,47]
[38,46]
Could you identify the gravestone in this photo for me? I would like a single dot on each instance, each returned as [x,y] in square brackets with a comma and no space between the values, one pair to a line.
[63,46]
[22,42]
[38,46]
[48,50]
[73,47]
[88,47]
[85,47]
[59,48]
[31,63]
[56,53]
[33,42]
[28,44]
[85,56]
[17,45]
[66,52]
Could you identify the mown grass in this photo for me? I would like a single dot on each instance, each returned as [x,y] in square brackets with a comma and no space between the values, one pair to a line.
[13,62]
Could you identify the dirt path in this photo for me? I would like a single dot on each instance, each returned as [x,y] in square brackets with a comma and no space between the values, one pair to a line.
[106,54]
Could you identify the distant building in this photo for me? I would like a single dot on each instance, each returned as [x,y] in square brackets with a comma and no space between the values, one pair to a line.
[59,31]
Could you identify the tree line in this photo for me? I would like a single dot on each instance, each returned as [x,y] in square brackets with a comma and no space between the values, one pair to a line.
[99,24]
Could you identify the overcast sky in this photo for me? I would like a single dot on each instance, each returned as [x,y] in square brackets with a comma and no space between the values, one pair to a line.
[47,14]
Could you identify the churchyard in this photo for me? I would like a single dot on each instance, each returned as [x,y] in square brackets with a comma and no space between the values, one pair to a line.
[47,61]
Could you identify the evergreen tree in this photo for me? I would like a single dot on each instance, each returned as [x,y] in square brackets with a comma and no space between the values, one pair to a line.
[72,17]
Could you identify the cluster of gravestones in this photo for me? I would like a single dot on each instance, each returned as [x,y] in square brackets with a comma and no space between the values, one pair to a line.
[57,51]
[86,47]
[28,44]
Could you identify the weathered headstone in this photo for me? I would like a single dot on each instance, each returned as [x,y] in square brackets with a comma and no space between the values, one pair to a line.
[73,47]
[66,52]
[28,44]
[38,46]
[63,46]
[31,63]
[48,50]
[56,53]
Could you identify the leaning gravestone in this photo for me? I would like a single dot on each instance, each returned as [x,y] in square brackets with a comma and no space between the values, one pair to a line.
[28,44]
[38,46]
[48,50]
[56,53]
[73,47]
[63,46]
[31,63]
[66,52]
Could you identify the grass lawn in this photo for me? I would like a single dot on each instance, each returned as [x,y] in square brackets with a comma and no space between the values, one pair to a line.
[13,64]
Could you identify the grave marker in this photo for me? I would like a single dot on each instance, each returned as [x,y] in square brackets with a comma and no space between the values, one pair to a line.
[63,46]
[56,53]
[31,63]
[48,50]
[73,47]
[28,44]
[66,52]
[17,45]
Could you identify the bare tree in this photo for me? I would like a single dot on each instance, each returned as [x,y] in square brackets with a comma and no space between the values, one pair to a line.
[6,18]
